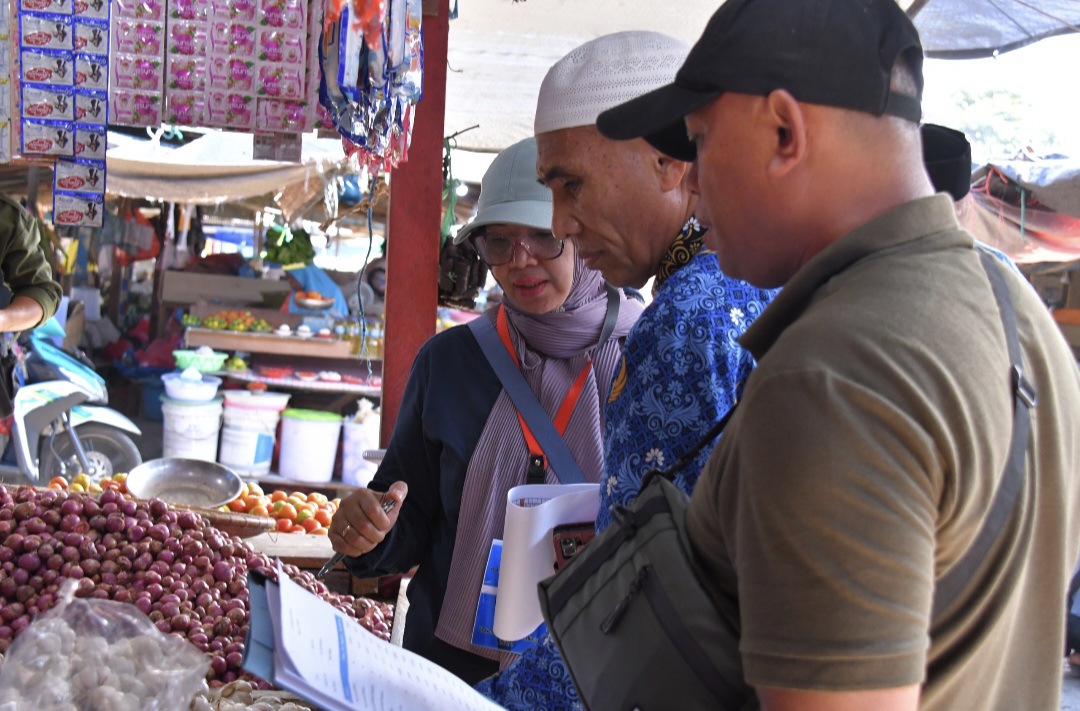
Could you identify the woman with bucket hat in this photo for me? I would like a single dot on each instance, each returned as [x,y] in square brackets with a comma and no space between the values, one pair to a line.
[460,443]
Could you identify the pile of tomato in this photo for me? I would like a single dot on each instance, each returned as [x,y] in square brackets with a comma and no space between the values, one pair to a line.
[294,512]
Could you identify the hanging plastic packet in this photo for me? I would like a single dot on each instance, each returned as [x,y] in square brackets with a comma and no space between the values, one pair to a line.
[352,58]
[407,76]
[370,16]
[343,113]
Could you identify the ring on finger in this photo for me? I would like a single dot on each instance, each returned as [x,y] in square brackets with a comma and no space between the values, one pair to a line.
[346,529]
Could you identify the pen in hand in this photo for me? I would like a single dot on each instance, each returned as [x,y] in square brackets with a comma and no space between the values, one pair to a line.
[387,507]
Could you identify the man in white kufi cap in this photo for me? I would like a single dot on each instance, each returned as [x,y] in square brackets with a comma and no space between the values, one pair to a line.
[629,208]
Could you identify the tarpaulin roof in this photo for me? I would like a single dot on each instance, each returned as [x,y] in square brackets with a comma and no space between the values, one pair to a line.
[215,168]
[1028,209]
[970,29]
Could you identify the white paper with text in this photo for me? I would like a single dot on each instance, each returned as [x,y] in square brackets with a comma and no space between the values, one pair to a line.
[329,659]
[528,555]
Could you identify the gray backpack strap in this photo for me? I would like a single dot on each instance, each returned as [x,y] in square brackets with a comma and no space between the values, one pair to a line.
[524,399]
[1012,480]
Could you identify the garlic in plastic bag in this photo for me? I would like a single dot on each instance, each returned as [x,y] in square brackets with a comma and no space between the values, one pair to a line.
[88,654]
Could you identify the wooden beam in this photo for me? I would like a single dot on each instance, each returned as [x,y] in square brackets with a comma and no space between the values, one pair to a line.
[412,244]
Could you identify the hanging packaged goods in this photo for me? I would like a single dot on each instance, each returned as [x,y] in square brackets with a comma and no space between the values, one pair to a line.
[372,77]
[268,67]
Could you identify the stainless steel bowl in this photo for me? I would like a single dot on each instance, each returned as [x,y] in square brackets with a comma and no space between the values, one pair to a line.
[188,482]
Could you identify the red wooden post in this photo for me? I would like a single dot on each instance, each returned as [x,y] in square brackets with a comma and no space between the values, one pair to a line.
[412,246]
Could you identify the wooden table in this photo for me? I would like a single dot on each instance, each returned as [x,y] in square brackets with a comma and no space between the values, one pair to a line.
[310,553]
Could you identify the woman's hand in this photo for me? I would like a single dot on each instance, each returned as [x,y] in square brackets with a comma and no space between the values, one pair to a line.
[360,523]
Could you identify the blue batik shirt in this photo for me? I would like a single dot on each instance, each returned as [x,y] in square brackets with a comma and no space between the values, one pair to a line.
[682,370]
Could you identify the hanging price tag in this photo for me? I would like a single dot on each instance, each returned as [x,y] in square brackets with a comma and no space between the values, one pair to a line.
[282,147]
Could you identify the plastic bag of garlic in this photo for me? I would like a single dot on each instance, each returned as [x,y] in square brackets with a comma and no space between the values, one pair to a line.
[242,696]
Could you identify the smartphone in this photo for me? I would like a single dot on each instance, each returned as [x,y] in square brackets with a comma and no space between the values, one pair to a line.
[569,539]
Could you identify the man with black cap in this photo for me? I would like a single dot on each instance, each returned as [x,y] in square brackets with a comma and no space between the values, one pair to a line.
[891,511]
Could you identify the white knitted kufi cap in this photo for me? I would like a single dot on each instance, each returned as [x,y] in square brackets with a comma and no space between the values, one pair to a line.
[603,73]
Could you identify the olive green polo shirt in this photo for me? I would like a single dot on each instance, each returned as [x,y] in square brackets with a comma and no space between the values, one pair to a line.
[857,470]
[22,261]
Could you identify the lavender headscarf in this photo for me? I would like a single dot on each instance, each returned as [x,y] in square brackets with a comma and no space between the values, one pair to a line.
[552,348]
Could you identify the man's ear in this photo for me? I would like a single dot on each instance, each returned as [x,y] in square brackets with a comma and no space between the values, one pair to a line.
[671,171]
[788,123]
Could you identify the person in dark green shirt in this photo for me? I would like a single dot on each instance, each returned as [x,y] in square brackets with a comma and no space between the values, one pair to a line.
[34,293]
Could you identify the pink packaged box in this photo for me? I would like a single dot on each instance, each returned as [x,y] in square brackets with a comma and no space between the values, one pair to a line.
[233,73]
[232,38]
[185,108]
[131,72]
[284,14]
[138,37]
[140,9]
[188,38]
[135,109]
[187,73]
[278,115]
[230,110]
[282,47]
[281,82]
[197,10]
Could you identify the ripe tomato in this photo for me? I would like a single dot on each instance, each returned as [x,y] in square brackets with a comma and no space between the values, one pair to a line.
[310,525]
[259,510]
[278,495]
[58,482]
[323,517]
[286,511]
[284,525]
[320,531]
[238,505]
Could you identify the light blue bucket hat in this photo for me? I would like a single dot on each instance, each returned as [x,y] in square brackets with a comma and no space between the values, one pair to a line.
[510,193]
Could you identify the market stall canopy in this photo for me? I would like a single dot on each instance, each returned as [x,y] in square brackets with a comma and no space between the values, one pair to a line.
[215,168]
[499,50]
[1028,209]
[971,29]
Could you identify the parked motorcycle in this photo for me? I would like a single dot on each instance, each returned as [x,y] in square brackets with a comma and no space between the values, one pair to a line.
[61,426]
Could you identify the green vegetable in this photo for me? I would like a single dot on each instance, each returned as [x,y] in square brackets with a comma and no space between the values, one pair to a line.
[285,246]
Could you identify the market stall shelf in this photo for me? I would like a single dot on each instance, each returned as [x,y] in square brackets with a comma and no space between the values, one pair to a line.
[267,343]
[371,389]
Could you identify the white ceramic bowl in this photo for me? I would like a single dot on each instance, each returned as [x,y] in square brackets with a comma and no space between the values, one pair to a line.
[203,390]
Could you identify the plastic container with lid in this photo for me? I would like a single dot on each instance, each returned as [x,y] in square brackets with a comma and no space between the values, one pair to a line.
[309,444]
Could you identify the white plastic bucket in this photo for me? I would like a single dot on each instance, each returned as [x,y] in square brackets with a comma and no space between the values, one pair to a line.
[309,440]
[249,432]
[190,431]
[357,438]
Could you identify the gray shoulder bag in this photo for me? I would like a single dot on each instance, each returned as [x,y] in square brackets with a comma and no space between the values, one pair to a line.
[638,630]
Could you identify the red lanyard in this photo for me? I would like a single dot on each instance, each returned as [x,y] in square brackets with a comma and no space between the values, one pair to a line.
[566,409]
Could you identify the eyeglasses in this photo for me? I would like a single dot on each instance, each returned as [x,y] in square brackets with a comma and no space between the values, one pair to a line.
[497,250]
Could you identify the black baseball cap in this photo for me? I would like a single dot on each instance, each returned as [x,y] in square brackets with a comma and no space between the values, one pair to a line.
[836,53]
[947,157]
